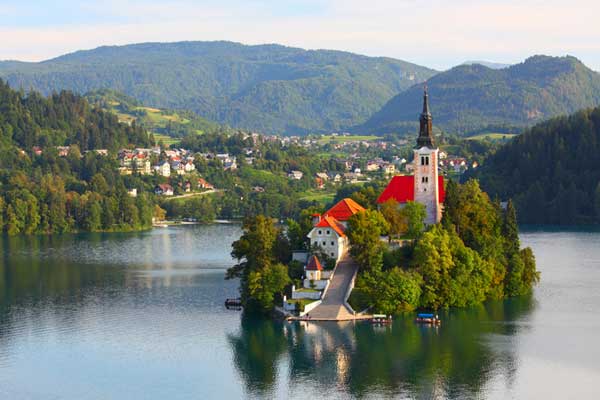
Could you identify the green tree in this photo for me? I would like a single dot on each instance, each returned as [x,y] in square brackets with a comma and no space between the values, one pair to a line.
[510,230]
[364,231]
[255,253]
[414,214]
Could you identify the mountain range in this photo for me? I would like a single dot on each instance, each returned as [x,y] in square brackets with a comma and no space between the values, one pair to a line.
[472,98]
[285,90]
[268,88]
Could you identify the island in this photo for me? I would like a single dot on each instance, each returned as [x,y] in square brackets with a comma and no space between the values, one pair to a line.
[424,243]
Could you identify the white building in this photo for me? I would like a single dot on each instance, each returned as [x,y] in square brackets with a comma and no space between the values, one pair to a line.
[328,233]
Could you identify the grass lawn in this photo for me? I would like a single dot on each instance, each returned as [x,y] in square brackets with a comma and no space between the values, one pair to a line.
[345,139]
[167,140]
[493,136]
[320,196]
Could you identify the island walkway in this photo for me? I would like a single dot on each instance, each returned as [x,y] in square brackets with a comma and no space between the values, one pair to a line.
[333,306]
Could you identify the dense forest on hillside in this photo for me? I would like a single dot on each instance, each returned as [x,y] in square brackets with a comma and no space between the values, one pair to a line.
[474,98]
[42,192]
[61,119]
[266,88]
[552,171]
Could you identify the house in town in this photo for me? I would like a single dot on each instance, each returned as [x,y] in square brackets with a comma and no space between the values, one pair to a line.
[203,184]
[163,169]
[164,189]
[297,175]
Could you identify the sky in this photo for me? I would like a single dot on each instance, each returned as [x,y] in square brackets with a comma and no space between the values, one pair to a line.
[434,33]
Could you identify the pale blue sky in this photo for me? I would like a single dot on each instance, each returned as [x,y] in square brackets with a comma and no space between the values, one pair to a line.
[435,33]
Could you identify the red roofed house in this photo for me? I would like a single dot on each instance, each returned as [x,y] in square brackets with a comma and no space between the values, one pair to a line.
[328,229]
[426,186]
[313,269]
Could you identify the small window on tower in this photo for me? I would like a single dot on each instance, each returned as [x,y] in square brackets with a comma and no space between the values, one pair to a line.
[426,160]
[422,160]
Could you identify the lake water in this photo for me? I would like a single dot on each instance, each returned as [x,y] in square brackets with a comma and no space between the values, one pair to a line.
[141,316]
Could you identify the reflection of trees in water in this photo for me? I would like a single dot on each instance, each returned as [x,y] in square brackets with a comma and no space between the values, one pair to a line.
[455,360]
[256,352]
[34,288]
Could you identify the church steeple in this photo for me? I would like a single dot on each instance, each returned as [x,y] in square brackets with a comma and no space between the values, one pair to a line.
[425,138]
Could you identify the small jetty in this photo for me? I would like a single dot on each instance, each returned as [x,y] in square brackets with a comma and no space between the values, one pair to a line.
[233,303]
[427,318]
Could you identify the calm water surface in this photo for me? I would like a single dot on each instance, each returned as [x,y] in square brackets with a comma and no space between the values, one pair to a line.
[140,316]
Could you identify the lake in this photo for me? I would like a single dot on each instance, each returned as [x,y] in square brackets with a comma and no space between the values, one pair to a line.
[141,316]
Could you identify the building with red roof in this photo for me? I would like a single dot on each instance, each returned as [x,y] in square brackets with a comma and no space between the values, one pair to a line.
[313,269]
[426,186]
[402,189]
[328,233]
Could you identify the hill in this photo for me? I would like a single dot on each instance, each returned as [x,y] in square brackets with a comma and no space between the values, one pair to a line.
[552,171]
[168,126]
[475,98]
[268,88]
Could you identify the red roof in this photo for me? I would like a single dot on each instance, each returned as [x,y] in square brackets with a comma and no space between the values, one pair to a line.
[402,189]
[344,209]
[314,264]
[330,222]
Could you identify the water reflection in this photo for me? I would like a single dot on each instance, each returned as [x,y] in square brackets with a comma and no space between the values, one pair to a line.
[455,360]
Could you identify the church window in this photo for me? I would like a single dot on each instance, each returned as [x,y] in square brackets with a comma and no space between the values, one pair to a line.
[316,244]
[332,243]
[328,232]
[331,254]
[320,232]
[324,243]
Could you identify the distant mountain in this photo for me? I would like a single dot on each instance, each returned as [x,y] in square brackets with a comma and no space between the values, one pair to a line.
[472,98]
[489,64]
[269,88]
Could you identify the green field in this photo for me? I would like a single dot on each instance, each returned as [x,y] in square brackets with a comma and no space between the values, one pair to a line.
[345,139]
[493,136]
[320,196]
[167,140]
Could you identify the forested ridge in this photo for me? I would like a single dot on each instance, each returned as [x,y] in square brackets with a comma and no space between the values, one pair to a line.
[266,88]
[552,171]
[474,98]
[43,192]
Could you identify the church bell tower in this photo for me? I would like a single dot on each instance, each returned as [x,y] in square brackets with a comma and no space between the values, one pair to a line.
[426,167]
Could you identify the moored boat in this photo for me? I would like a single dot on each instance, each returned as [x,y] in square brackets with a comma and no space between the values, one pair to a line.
[426,318]
[381,319]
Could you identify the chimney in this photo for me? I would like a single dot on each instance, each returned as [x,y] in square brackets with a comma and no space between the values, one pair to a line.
[316,218]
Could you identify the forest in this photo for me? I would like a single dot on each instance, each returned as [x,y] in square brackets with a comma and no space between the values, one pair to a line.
[43,192]
[552,171]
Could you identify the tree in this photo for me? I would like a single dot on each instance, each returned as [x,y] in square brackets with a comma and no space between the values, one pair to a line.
[265,283]
[414,214]
[395,218]
[159,213]
[510,230]
[389,292]
[364,231]
[255,254]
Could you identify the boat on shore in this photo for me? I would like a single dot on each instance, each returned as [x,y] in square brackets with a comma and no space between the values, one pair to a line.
[233,303]
[429,319]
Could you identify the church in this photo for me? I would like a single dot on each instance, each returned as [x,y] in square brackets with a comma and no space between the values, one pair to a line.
[426,186]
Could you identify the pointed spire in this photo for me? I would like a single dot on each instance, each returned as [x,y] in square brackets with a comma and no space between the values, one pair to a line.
[425,101]
[425,138]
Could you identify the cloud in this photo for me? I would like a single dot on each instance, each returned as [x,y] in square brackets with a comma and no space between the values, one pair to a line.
[435,33]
